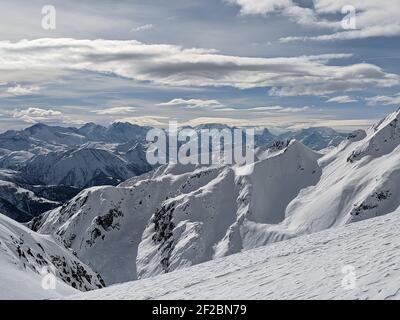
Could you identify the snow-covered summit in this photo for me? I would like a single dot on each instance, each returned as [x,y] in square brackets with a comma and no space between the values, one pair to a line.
[382,138]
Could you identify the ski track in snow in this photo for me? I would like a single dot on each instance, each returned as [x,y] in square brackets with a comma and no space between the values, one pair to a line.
[307,267]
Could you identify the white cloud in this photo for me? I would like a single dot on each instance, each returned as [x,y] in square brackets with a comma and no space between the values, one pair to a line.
[115,111]
[384,100]
[171,65]
[192,103]
[279,109]
[287,8]
[294,110]
[143,28]
[342,99]
[373,19]
[35,115]
[261,6]
[16,90]
[19,90]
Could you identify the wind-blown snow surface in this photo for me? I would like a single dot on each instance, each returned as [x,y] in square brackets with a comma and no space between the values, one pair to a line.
[307,267]
[24,254]
[178,216]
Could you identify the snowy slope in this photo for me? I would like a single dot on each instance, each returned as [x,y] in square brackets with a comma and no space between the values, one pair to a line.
[15,160]
[23,256]
[318,266]
[360,180]
[177,215]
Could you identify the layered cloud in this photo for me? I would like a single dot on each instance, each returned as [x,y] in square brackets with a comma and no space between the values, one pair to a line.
[170,65]
[384,100]
[290,9]
[373,18]
[342,99]
[278,109]
[115,111]
[192,103]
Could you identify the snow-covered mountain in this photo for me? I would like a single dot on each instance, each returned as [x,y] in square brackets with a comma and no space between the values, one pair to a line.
[50,159]
[265,138]
[359,261]
[178,216]
[316,138]
[21,204]
[25,259]
[118,132]
[41,135]
[40,138]
[82,167]
[90,155]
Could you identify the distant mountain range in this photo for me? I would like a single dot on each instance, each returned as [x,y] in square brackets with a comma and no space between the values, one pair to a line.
[50,164]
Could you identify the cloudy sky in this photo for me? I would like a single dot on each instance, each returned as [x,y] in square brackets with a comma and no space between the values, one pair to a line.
[276,63]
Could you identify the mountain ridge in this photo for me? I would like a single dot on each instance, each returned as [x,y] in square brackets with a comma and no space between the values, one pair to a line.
[183,215]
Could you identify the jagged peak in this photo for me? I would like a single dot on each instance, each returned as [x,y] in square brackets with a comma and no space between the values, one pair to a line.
[119,124]
[36,127]
[91,125]
[393,117]
[382,138]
